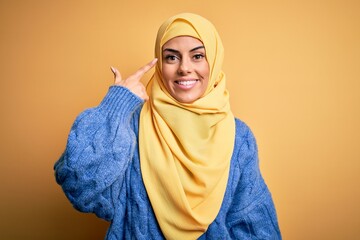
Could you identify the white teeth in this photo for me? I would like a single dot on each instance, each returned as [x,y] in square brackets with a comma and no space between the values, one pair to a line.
[186,83]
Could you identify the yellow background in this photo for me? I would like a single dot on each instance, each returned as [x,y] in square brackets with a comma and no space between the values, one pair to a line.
[293,70]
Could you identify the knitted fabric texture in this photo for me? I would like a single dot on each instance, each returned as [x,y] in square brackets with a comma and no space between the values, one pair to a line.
[99,172]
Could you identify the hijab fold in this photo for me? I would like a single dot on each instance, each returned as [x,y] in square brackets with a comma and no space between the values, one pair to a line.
[185,148]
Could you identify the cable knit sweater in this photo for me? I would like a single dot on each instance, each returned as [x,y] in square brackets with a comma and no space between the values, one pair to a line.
[100,173]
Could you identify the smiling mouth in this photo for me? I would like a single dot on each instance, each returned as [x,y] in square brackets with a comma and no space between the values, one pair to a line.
[186,82]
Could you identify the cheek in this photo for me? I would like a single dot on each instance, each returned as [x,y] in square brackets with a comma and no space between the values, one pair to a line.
[165,77]
[167,72]
[205,71]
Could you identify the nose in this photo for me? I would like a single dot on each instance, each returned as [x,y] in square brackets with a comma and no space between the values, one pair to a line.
[184,67]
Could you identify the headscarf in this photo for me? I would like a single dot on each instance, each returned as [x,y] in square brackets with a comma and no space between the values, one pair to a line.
[186,148]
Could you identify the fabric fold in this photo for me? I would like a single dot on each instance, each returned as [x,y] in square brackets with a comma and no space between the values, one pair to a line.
[185,149]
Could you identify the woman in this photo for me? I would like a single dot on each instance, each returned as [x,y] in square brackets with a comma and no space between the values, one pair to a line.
[170,161]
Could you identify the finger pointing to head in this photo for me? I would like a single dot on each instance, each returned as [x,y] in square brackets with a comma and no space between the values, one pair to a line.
[117,75]
[139,73]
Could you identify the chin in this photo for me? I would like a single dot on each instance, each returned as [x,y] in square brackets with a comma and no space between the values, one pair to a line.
[186,99]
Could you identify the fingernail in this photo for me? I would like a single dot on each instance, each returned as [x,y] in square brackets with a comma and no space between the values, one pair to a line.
[112,69]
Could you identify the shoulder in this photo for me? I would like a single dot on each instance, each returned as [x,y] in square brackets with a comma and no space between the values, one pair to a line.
[243,133]
[245,147]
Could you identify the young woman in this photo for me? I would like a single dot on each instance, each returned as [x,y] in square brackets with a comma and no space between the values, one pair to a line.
[170,161]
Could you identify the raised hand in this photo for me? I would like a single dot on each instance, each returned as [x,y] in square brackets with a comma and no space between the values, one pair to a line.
[133,82]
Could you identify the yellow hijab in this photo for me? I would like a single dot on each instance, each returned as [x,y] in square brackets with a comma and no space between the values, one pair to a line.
[185,149]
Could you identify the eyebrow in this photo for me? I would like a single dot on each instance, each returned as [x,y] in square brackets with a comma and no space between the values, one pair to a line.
[176,51]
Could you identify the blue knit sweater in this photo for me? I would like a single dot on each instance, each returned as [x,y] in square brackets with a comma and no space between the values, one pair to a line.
[100,173]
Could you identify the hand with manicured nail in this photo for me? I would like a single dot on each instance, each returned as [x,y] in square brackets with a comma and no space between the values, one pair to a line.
[133,82]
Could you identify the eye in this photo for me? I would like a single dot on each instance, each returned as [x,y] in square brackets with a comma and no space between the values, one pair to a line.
[170,58]
[199,56]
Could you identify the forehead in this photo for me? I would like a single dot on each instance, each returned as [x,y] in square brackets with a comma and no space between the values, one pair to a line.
[182,43]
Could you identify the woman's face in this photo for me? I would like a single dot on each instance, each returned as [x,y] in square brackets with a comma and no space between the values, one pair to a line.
[185,70]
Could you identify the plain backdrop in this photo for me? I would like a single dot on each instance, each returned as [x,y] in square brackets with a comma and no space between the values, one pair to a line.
[293,72]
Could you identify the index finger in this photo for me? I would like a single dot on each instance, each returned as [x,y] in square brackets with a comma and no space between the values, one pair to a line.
[139,73]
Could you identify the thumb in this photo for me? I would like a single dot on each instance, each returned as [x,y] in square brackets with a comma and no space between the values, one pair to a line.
[117,75]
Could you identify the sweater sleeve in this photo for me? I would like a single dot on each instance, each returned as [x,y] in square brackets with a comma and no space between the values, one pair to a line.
[252,214]
[99,149]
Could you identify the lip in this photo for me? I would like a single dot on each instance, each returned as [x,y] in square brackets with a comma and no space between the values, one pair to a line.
[187,83]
